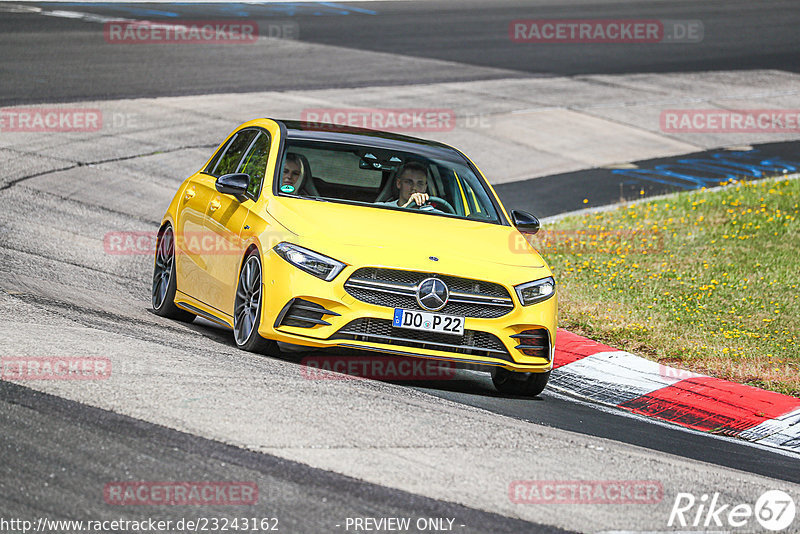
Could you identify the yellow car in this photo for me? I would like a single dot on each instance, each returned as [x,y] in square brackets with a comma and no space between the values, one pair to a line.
[329,236]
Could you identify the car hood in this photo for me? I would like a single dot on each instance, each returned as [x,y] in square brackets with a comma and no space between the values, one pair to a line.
[365,234]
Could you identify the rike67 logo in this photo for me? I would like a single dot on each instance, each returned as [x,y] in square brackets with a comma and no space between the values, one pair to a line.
[774,510]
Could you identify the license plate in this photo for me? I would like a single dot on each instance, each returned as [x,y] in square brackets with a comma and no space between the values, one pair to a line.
[430,322]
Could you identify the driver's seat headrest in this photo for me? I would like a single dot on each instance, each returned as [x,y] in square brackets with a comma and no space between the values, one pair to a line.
[307,183]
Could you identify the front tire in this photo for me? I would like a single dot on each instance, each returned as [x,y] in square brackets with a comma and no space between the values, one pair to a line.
[164,283]
[247,308]
[520,384]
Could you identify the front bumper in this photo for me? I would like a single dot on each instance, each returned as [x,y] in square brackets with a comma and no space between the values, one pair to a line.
[359,325]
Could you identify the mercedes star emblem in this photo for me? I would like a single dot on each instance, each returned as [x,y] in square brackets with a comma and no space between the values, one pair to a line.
[432,294]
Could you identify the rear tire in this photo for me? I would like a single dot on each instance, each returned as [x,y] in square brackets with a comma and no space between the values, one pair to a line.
[164,283]
[521,384]
[247,308]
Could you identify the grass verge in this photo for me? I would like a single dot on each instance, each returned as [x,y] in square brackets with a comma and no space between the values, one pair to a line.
[705,280]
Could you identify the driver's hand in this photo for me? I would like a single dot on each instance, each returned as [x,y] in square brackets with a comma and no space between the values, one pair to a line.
[419,198]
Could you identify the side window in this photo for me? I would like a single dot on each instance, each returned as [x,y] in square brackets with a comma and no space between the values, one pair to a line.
[451,187]
[478,204]
[229,161]
[254,163]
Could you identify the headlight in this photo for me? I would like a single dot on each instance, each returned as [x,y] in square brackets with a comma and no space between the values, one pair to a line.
[536,291]
[310,261]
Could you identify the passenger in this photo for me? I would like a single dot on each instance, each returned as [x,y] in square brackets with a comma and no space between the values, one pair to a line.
[293,173]
[412,184]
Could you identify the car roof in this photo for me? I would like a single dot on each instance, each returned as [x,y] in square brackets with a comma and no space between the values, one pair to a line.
[336,133]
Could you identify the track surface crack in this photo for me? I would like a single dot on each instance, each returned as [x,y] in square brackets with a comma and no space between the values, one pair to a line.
[78,164]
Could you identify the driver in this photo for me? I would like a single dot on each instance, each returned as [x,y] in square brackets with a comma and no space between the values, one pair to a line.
[412,183]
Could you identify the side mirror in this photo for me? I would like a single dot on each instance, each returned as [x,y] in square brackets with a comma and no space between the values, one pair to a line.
[525,222]
[234,184]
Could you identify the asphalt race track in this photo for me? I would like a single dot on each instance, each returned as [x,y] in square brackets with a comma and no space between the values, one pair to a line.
[304,499]
[183,404]
[458,40]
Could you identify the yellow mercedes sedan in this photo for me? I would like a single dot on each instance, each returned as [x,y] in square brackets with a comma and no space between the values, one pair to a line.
[324,236]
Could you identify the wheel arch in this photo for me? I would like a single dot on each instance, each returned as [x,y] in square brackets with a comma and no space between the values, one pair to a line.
[250,248]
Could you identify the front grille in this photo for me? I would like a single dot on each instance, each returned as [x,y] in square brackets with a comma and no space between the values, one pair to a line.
[398,289]
[473,342]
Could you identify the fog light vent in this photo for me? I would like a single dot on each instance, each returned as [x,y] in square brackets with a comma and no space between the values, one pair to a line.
[534,342]
[302,313]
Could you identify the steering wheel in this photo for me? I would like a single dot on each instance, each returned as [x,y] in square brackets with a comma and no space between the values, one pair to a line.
[442,203]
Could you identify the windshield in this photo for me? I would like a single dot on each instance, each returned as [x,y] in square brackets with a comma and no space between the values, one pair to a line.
[385,178]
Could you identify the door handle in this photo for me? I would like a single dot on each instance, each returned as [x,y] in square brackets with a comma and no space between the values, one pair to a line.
[189,193]
[214,205]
